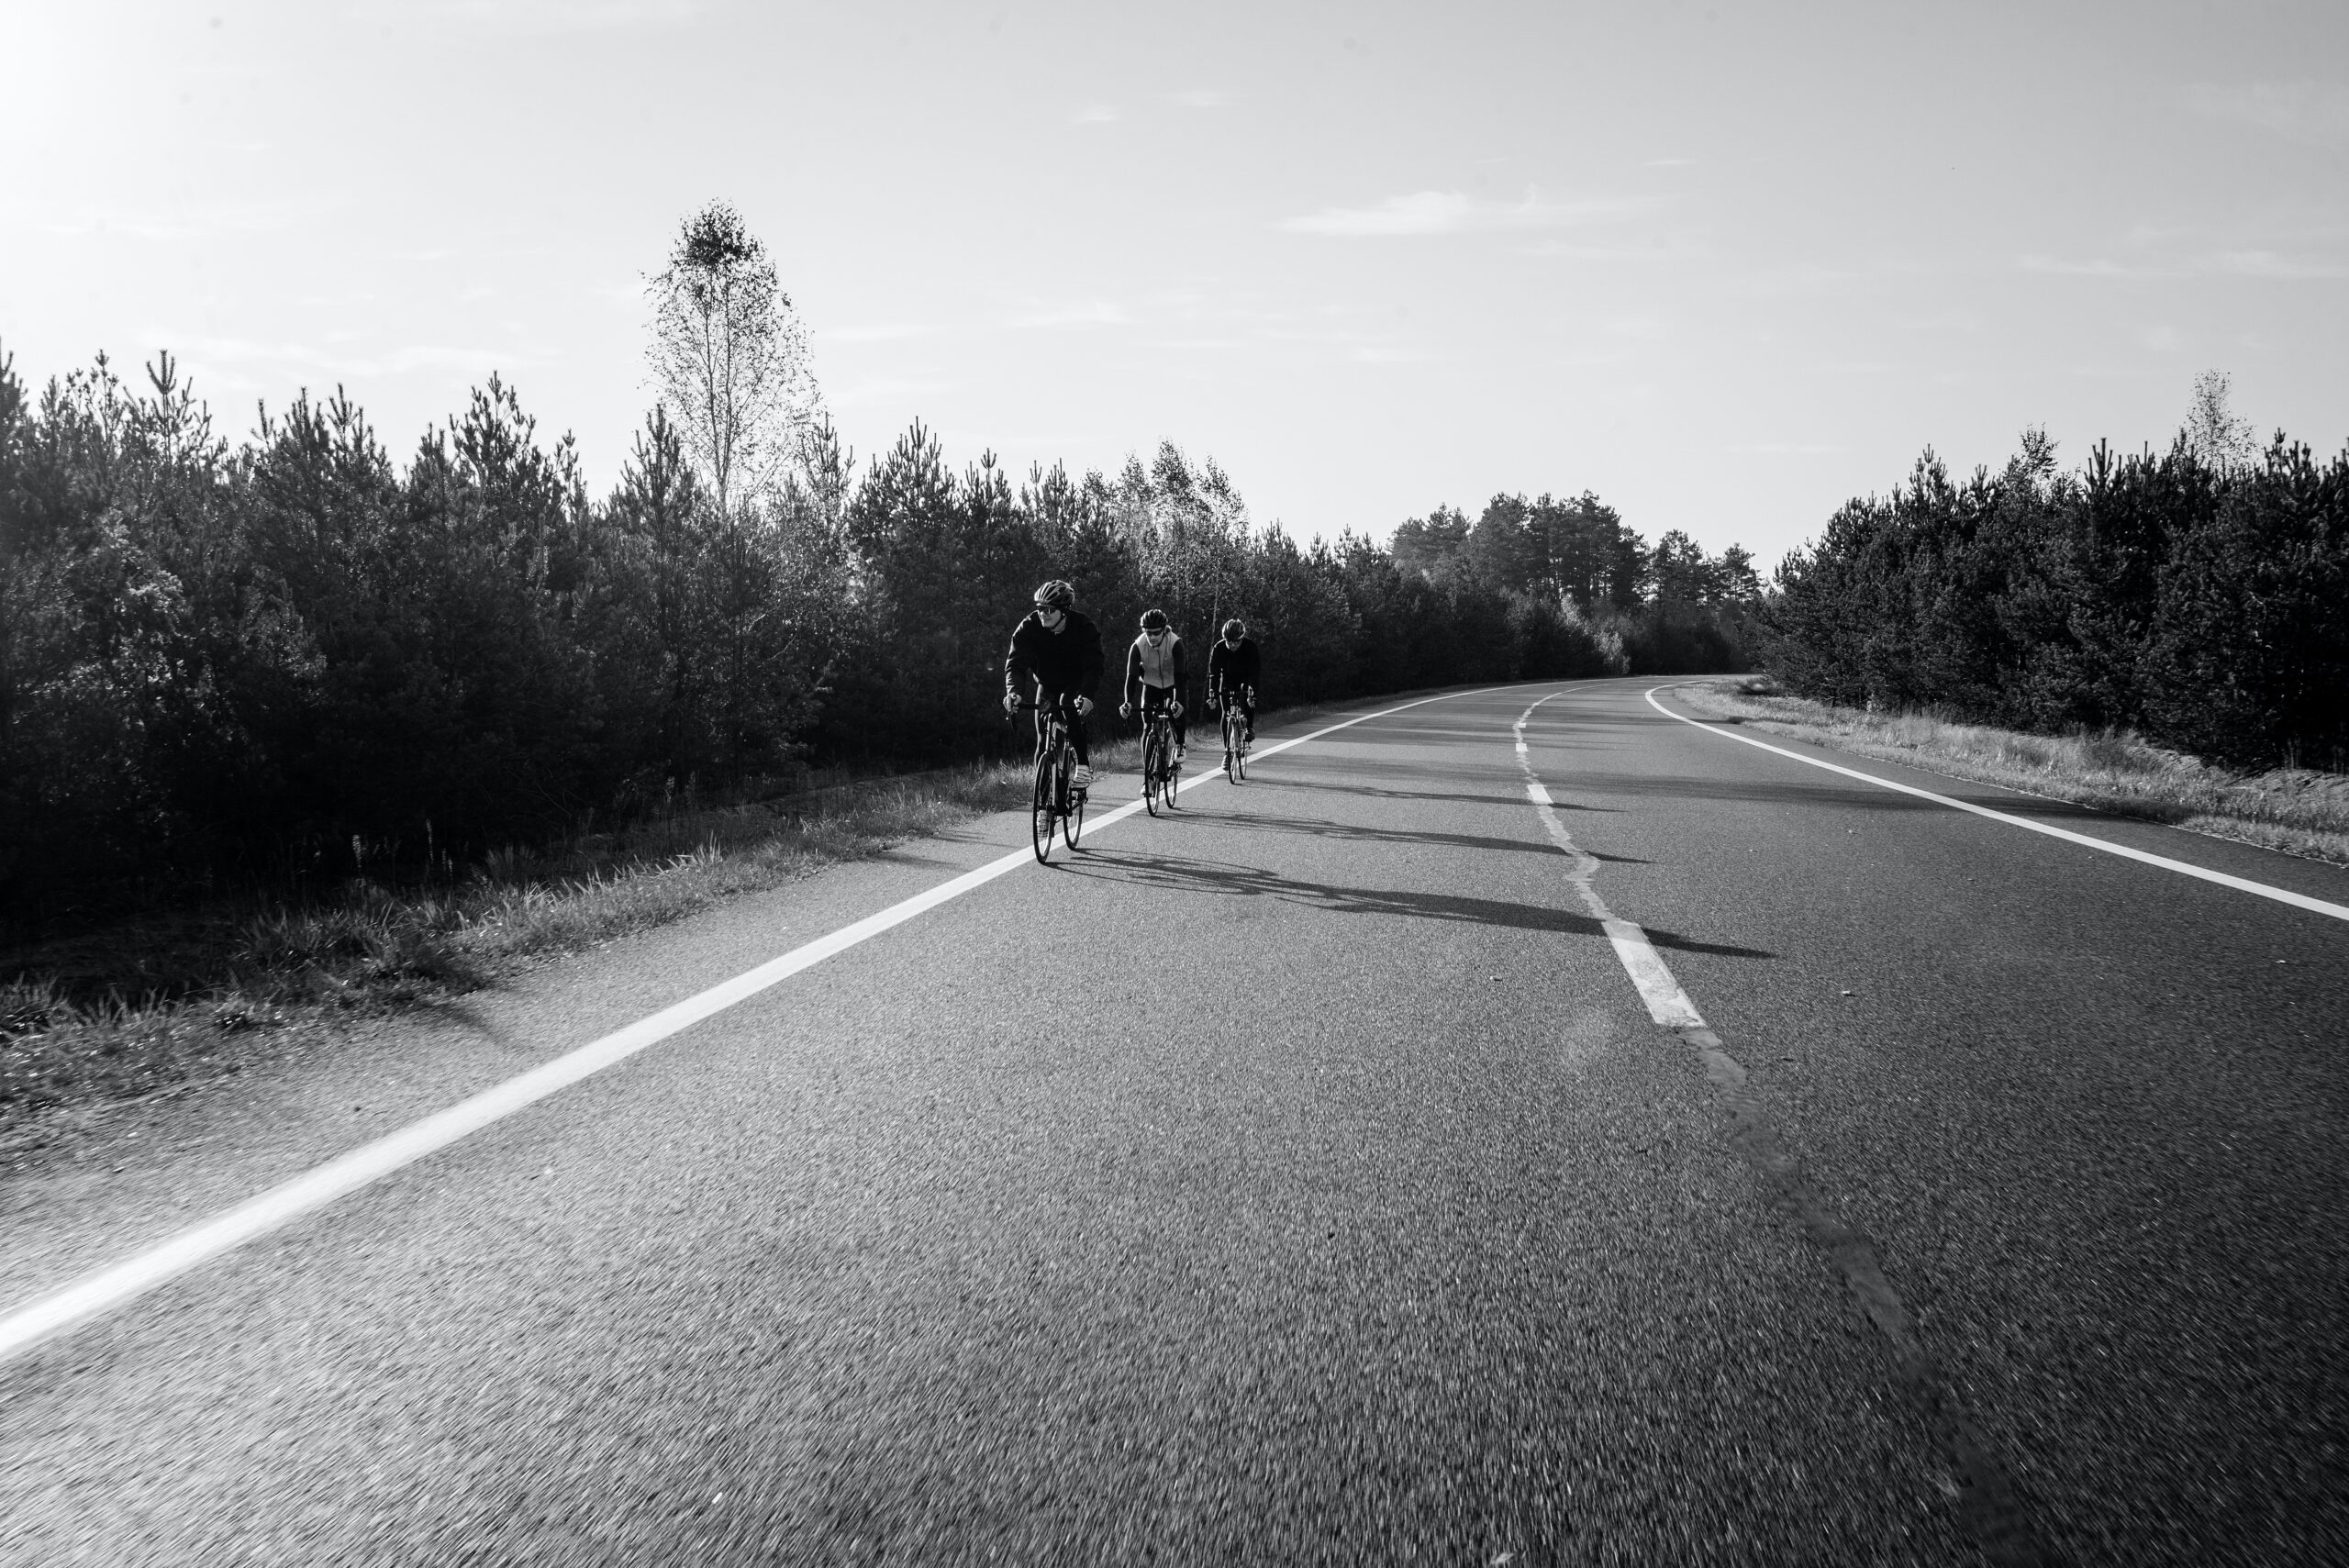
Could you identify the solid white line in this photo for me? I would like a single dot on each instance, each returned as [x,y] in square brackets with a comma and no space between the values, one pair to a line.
[322,1184]
[2243,885]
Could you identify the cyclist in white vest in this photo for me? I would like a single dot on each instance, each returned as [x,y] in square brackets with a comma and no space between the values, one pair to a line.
[1154,674]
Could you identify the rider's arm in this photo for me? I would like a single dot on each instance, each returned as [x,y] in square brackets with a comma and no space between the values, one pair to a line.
[1182,675]
[1017,671]
[1088,668]
[1130,693]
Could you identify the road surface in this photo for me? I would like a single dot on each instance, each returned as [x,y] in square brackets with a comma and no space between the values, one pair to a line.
[1304,1178]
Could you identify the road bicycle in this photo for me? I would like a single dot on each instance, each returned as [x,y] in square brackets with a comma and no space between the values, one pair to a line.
[1235,738]
[1058,803]
[1161,773]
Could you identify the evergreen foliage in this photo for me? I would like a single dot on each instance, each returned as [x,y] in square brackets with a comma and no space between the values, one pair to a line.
[2192,595]
[300,659]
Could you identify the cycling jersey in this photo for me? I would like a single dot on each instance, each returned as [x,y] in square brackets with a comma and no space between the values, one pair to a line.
[1162,666]
[1053,662]
[1230,668]
[1063,664]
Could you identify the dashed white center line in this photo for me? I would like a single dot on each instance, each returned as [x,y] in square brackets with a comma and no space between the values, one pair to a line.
[1989,1500]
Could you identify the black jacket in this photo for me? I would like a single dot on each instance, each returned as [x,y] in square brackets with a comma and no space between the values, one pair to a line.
[1229,667]
[1066,662]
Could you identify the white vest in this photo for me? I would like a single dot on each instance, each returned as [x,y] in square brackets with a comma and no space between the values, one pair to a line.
[1158,663]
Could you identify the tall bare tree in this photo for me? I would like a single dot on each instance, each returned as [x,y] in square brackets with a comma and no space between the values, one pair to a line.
[730,358]
[2214,432]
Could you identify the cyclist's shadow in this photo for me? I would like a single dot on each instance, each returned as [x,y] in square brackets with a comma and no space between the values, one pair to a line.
[1229,879]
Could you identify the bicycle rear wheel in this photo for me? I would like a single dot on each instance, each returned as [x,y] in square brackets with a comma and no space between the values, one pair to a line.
[1153,758]
[1045,810]
[1071,800]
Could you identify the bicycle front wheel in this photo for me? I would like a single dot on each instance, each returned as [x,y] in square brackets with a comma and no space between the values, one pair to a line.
[1072,802]
[1045,811]
[1231,746]
[1153,760]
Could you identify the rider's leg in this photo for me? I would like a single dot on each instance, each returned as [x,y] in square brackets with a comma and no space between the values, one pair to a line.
[1248,721]
[1182,722]
[1076,728]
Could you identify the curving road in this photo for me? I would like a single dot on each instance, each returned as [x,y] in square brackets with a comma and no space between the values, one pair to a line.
[1317,1176]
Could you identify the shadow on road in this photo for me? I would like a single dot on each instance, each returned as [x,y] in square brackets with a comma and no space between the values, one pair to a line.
[1412,794]
[1322,827]
[1178,873]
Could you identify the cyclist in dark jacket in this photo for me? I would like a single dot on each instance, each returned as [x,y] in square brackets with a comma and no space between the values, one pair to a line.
[1056,653]
[1232,668]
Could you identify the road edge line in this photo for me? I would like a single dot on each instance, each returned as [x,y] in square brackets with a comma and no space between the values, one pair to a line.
[2184,868]
[116,1284]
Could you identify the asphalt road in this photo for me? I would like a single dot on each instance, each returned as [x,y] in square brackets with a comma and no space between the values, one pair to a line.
[1300,1179]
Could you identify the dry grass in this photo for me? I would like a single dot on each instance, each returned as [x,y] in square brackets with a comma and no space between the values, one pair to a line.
[147,1008]
[2297,810]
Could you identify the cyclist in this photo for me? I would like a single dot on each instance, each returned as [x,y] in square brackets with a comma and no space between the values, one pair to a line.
[1155,669]
[1056,653]
[1232,667]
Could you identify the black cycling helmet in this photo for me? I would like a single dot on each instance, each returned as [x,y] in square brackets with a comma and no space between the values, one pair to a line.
[1233,632]
[1154,620]
[1055,595]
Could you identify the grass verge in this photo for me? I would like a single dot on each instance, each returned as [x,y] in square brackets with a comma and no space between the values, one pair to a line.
[2297,810]
[148,1009]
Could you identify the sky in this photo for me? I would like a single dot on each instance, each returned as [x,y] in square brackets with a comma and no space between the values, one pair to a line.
[1725,266]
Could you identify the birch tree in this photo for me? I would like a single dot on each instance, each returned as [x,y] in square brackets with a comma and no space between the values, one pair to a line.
[730,358]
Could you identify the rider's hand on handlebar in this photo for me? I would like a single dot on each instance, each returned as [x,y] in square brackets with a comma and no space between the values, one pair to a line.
[1083,706]
[1175,709]
[1011,703]
[1125,710]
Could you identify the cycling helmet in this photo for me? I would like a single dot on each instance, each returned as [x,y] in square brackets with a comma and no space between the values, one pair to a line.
[1055,595]
[1154,620]
[1233,632]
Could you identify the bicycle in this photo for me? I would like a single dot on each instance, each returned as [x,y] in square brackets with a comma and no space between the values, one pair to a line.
[1057,803]
[1161,773]
[1235,738]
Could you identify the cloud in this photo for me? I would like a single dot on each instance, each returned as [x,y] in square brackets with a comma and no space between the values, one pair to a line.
[881,332]
[1202,98]
[2268,264]
[1093,114]
[1671,162]
[882,389]
[538,17]
[2316,112]
[1078,313]
[2096,269]
[195,222]
[345,365]
[2227,263]
[1785,449]
[1451,211]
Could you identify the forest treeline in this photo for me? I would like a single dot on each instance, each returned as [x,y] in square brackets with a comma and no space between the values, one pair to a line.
[239,665]
[2199,596]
